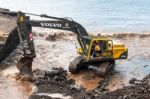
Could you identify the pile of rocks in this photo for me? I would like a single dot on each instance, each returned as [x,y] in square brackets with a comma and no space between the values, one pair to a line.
[57,81]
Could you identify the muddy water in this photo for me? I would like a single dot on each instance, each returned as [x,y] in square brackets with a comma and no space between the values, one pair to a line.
[87,79]
[136,66]
[53,54]
[10,88]
[48,56]
[60,53]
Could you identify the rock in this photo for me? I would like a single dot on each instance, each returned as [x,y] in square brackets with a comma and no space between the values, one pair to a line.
[120,97]
[58,82]
[57,78]
[145,66]
[52,73]
[149,82]
[125,96]
[131,81]
[51,37]
[75,87]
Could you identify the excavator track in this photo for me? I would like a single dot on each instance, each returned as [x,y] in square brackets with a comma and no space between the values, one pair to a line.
[108,70]
[105,72]
[75,65]
[104,83]
[104,69]
[101,67]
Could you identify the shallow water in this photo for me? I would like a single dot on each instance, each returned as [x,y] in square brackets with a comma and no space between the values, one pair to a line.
[88,80]
[95,15]
[61,53]
[136,66]
[10,89]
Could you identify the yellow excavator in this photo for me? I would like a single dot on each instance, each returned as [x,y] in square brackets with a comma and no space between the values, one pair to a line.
[95,52]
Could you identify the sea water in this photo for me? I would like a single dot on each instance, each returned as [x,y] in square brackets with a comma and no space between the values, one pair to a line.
[95,15]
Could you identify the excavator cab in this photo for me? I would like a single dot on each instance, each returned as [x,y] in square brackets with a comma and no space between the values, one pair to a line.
[99,54]
[97,48]
[103,48]
[100,48]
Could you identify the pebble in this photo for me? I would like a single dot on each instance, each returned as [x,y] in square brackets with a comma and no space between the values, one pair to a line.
[125,96]
[148,81]
[120,97]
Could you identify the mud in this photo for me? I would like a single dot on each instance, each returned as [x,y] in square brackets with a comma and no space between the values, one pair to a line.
[125,70]
[10,86]
[140,89]
[57,82]
[9,89]
[8,35]
[59,53]
[87,79]
[56,49]
[10,23]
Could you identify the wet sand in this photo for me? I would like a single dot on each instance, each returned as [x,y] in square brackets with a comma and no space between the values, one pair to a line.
[7,23]
[61,52]
[137,64]
[88,80]
[10,89]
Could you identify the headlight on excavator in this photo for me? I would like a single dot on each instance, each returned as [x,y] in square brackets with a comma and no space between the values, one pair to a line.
[79,50]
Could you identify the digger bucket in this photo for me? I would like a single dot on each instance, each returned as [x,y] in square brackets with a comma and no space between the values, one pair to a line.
[24,66]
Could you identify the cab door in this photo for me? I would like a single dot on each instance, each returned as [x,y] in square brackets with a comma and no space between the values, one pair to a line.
[107,49]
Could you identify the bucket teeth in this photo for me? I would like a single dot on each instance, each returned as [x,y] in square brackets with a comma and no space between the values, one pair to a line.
[25,66]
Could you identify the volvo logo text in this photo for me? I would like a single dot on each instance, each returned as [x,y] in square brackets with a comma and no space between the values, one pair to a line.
[55,25]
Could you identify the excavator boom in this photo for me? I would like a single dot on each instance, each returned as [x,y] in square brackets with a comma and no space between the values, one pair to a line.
[25,24]
[106,54]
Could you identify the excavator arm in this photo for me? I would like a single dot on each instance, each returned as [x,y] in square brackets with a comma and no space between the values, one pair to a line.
[108,54]
[25,24]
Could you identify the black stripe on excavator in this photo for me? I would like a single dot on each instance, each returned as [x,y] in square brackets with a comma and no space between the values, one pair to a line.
[124,55]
